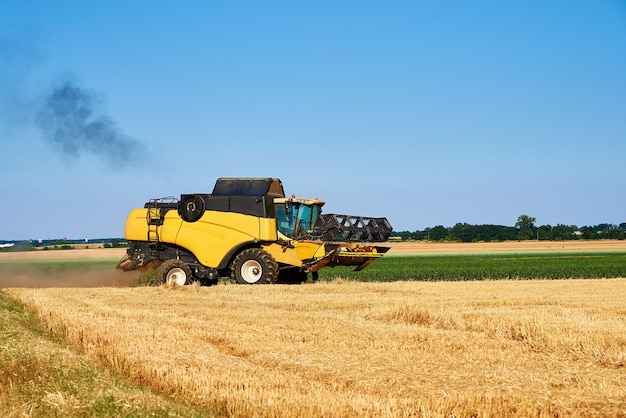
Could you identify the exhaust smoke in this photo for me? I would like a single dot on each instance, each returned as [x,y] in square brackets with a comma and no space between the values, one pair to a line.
[71,120]
[69,117]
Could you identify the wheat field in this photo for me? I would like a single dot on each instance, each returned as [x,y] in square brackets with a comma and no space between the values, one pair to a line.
[499,348]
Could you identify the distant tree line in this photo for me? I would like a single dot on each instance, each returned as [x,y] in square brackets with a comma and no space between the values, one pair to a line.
[524,229]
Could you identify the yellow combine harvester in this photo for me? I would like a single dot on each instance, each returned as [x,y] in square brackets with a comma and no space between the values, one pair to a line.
[247,229]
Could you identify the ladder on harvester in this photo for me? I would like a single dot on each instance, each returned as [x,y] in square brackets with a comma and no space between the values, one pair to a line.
[155,215]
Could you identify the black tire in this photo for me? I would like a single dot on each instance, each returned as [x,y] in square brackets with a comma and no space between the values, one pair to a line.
[173,272]
[191,207]
[254,266]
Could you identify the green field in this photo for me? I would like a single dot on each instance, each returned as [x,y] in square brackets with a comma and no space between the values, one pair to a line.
[566,265]
[430,267]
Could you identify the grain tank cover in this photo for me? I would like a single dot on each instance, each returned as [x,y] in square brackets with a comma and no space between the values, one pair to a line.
[270,187]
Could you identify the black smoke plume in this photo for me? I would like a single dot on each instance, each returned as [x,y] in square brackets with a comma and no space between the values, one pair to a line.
[71,120]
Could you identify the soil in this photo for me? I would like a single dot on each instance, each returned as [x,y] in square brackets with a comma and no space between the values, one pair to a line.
[424,247]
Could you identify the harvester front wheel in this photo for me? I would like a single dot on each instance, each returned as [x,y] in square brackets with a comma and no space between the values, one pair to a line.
[173,272]
[254,266]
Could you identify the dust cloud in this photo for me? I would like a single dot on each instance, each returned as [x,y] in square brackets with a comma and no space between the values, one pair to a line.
[33,278]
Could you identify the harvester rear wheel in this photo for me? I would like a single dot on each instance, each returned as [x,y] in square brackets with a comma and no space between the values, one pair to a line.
[173,273]
[254,266]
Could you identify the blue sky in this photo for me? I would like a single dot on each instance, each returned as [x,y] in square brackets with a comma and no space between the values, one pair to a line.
[427,113]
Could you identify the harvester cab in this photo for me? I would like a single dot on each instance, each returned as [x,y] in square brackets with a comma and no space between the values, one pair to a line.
[296,218]
[247,229]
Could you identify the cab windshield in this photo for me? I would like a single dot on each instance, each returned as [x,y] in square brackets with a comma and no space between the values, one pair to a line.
[295,219]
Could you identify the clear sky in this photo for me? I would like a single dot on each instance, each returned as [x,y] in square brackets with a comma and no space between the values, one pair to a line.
[425,112]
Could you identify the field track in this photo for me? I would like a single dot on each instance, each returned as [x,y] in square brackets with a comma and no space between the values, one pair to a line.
[397,248]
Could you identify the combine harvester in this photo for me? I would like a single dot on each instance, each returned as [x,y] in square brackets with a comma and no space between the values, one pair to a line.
[248,230]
